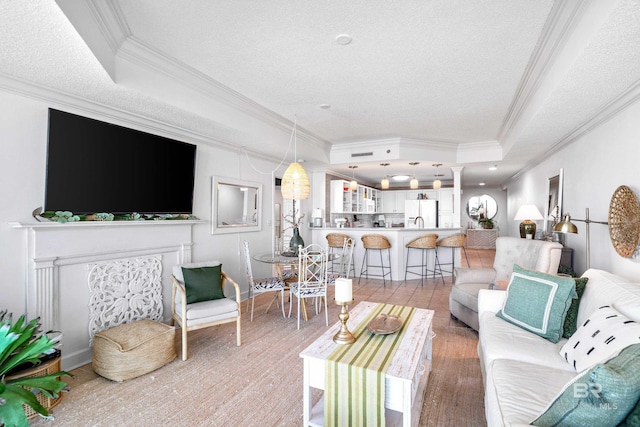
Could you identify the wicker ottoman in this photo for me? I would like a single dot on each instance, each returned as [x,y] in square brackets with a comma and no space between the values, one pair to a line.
[133,349]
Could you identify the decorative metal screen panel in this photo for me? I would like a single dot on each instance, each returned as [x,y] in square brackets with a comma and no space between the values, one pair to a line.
[122,291]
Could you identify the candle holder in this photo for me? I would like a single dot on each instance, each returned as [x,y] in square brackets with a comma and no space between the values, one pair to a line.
[344,336]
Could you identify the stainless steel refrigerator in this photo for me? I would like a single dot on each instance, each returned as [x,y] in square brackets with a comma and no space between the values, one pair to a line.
[421,214]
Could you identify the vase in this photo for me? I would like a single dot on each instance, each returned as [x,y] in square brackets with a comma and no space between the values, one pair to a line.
[296,240]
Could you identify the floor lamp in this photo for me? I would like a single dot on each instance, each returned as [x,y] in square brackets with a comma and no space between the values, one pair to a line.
[566,226]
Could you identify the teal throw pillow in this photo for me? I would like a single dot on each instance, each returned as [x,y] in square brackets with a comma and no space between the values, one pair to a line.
[538,302]
[571,320]
[203,283]
[602,396]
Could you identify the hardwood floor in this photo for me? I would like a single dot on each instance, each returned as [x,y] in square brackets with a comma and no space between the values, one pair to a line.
[454,394]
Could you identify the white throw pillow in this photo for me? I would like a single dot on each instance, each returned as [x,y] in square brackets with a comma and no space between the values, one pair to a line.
[602,336]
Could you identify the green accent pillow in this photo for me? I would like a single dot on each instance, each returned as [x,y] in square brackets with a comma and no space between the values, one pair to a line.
[602,396]
[633,417]
[538,302]
[203,283]
[571,320]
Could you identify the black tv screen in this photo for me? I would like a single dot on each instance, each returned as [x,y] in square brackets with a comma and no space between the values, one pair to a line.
[93,167]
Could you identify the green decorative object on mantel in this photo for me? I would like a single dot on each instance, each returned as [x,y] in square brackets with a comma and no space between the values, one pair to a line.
[64,216]
[67,216]
[103,216]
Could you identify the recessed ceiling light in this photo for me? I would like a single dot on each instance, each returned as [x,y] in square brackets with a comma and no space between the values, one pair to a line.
[344,39]
[325,106]
[400,177]
[493,168]
[482,183]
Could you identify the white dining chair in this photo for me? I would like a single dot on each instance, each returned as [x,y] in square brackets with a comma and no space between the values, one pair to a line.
[312,279]
[260,286]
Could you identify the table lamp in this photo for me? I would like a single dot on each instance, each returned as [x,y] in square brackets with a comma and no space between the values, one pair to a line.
[527,214]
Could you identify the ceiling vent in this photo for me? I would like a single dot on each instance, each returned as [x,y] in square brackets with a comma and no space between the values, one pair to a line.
[370,153]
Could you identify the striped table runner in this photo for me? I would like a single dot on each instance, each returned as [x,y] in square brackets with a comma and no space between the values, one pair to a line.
[355,374]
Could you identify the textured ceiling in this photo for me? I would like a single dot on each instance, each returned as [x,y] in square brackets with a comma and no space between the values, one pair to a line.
[454,78]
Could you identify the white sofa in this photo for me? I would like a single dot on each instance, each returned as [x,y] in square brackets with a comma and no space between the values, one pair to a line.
[523,372]
[531,254]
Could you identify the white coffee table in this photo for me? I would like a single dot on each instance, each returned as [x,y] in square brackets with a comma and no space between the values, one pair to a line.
[405,379]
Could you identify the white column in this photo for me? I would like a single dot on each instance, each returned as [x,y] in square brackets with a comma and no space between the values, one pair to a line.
[42,301]
[457,175]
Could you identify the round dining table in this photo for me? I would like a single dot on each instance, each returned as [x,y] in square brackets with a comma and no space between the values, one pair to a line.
[286,264]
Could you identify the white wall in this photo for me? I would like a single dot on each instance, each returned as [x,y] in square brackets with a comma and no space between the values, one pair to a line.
[594,166]
[23,138]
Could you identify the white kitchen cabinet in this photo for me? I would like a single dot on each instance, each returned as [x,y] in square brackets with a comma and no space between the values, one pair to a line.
[341,196]
[344,200]
[445,199]
[393,201]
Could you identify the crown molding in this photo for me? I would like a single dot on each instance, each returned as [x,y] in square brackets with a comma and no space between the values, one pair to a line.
[137,52]
[111,22]
[89,108]
[571,24]
[609,111]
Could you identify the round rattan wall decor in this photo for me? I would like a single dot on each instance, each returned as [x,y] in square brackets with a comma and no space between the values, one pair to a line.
[624,221]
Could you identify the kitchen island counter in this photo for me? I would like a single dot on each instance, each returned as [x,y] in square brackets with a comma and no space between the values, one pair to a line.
[398,237]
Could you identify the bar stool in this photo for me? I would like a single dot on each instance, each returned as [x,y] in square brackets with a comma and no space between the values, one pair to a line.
[375,242]
[424,243]
[335,243]
[454,241]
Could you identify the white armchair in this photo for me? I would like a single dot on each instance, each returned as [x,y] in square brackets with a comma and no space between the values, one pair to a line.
[535,255]
[202,314]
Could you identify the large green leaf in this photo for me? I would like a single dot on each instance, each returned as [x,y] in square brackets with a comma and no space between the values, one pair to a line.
[20,344]
[50,385]
[11,411]
[29,353]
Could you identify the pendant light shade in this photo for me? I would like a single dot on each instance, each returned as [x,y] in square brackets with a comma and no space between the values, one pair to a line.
[384,184]
[353,185]
[295,183]
[413,184]
[437,184]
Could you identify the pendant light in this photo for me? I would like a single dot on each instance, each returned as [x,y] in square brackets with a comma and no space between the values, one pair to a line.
[384,184]
[437,184]
[295,182]
[413,184]
[353,185]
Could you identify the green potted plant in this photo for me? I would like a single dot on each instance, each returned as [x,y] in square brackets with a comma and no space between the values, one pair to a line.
[486,223]
[21,344]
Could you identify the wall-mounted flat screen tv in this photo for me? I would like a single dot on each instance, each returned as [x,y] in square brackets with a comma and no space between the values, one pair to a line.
[93,167]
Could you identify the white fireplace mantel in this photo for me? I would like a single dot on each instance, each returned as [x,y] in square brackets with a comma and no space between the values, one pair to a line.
[60,257]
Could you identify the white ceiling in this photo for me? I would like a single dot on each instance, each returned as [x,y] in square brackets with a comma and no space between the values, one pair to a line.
[459,82]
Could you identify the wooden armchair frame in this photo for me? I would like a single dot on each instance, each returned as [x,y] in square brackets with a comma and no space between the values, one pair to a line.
[179,288]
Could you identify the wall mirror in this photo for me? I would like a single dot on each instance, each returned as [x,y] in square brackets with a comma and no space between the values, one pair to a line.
[553,205]
[236,205]
[483,206]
